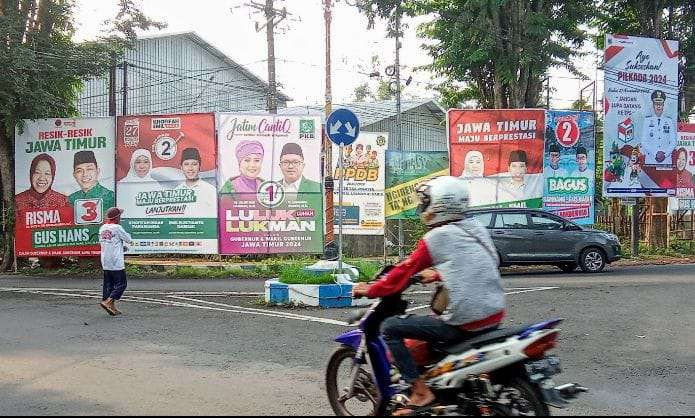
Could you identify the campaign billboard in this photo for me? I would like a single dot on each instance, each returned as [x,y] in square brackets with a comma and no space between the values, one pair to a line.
[685,166]
[166,182]
[364,179]
[405,171]
[499,153]
[641,112]
[569,168]
[270,184]
[64,180]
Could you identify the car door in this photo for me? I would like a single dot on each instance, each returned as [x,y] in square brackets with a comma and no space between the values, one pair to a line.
[512,236]
[553,242]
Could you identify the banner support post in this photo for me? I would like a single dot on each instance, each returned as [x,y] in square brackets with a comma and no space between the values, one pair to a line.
[340,212]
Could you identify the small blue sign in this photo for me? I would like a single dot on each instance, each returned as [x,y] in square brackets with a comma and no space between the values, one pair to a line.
[342,127]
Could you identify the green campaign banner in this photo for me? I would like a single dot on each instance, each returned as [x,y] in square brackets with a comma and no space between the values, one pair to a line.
[64,179]
[405,171]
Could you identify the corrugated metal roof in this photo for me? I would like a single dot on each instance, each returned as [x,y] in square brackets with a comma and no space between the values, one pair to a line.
[198,40]
[370,113]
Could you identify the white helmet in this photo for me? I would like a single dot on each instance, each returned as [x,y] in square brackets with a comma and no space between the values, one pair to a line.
[443,199]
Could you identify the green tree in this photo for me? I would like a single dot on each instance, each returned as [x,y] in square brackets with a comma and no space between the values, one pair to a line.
[43,72]
[384,91]
[363,92]
[581,105]
[500,49]
[664,19]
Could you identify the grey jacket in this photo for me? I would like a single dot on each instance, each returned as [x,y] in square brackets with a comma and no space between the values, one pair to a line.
[469,268]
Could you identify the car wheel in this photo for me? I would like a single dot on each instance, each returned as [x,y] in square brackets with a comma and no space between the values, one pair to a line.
[592,260]
[568,267]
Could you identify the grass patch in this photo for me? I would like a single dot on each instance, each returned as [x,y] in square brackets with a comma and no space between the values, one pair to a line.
[188,272]
[367,269]
[296,274]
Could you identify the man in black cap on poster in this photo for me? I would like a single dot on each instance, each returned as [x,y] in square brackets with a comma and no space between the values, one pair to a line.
[86,173]
[658,133]
[292,166]
[205,204]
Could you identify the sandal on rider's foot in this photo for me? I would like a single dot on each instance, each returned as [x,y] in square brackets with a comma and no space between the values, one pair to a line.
[413,410]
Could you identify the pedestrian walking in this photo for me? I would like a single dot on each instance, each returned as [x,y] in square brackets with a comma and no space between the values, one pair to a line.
[113,238]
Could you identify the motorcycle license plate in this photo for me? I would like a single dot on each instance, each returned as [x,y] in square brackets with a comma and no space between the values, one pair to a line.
[545,367]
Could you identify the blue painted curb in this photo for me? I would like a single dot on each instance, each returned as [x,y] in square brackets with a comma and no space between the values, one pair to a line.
[324,295]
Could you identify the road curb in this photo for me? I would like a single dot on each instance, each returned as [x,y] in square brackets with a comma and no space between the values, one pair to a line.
[322,295]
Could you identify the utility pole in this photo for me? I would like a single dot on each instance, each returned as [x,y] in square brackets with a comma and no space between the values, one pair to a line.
[273,17]
[112,90]
[398,114]
[125,88]
[270,38]
[327,145]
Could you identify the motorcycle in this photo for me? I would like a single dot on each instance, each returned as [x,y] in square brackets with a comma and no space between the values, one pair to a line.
[504,372]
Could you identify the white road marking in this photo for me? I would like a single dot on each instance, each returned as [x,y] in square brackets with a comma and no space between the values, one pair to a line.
[144,292]
[166,302]
[262,311]
[214,306]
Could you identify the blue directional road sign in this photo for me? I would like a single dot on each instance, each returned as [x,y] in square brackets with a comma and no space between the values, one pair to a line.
[342,127]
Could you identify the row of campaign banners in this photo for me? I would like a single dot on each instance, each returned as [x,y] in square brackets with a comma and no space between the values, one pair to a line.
[193,183]
[247,184]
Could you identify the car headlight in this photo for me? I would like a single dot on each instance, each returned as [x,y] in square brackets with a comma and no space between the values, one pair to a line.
[611,237]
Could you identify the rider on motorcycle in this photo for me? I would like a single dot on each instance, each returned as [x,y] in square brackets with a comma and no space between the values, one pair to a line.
[462,256]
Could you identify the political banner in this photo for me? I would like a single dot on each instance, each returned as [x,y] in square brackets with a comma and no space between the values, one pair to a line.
[364,179]
[64,178]
[570,165]
[641,111]
[405,171]
[499,153]
[685,166]
[166,183]
[270,185]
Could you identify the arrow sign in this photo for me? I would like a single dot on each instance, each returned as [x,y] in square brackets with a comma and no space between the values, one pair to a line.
[350,130]
[335,127]
[342,127]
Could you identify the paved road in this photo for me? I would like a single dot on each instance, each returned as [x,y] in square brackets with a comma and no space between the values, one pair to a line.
[206,347]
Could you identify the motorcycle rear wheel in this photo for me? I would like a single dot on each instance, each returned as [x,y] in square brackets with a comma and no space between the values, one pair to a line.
[530,402]
[365,392]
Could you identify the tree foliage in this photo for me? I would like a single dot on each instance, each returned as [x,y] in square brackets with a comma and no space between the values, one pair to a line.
[501,49]
[44,69]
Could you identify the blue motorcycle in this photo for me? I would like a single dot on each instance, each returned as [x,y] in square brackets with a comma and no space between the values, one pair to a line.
[504,372]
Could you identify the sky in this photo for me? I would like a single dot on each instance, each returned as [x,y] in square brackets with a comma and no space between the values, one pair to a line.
[229,25]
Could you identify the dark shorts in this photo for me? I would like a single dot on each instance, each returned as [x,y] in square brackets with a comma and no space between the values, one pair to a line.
[115,284]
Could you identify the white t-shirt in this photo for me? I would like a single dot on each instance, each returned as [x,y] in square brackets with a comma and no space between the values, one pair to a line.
[112,237]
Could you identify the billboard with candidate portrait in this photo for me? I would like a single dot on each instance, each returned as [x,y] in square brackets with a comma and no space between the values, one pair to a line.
[166,182]
[64,180]
[685,166]
[499,153]
[364,180]
[405,171]
[270,186]
[641,111]
[569,165]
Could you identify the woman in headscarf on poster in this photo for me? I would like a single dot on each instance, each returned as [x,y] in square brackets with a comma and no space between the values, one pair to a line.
[40,195]
[138,180]
[685,184]
[249,155]
[479,187]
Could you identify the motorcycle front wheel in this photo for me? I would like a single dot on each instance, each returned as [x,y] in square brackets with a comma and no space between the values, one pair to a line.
[340,373]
